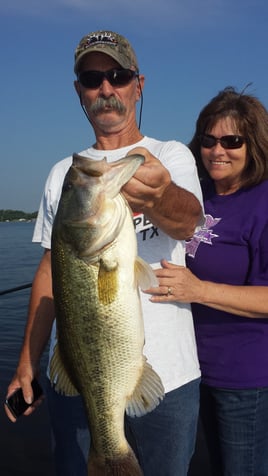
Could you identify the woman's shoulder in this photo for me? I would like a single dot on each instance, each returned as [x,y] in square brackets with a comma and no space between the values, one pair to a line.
[258,192]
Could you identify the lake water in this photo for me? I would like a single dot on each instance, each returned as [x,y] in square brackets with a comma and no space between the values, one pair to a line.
[18,260]
[25,446]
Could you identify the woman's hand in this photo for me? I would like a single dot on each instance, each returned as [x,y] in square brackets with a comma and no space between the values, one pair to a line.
[176,284]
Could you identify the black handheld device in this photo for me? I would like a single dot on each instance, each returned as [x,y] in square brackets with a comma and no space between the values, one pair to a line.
[16,403]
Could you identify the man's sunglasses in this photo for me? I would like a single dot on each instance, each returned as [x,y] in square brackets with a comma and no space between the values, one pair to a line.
[227,142]
[116,77]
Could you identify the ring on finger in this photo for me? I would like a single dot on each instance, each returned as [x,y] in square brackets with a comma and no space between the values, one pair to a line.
[169,291]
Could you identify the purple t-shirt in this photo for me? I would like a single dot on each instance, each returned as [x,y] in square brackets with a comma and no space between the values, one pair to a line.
[232,248]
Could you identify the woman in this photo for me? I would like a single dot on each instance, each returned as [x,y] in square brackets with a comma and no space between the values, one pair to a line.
[227,279]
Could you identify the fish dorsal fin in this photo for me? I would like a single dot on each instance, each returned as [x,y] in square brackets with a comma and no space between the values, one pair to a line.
[59,376]
[144,274]
[148,393]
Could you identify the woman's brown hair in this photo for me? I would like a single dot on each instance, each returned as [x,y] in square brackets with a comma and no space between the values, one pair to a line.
[250,118]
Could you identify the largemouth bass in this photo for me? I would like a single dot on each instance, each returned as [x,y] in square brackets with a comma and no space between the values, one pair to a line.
[100,332]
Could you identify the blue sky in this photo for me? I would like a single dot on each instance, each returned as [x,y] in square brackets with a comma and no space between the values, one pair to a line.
[187,49]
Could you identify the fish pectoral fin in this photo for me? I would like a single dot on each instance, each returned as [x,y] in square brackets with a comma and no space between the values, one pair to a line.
[144,274]
[148,393]
[107,282]
[59,376]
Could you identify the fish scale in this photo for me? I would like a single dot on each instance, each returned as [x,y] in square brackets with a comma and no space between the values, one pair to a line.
[100,331]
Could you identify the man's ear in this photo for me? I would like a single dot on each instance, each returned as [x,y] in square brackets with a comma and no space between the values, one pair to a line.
[140,85]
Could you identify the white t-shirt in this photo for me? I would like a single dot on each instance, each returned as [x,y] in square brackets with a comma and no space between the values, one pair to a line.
[169,334]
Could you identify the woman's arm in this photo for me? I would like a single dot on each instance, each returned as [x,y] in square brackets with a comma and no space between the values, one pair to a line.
[177,283]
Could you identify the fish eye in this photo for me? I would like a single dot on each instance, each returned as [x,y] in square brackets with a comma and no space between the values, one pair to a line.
[67,186]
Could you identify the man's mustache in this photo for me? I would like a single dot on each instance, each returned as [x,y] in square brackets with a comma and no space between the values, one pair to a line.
[102,104]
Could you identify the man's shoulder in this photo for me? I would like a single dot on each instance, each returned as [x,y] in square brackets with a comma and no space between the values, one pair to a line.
[166,145]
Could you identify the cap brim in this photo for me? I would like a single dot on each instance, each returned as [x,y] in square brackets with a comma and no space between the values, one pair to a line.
[109,52]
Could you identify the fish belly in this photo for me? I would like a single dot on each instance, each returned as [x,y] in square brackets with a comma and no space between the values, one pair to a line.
[100,340]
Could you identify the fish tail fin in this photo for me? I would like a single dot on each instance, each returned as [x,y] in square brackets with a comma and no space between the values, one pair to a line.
[123,465]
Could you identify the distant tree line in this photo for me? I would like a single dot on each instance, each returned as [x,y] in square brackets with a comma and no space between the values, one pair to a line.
[15,215]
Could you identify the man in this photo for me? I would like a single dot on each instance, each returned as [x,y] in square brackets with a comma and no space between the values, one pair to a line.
[165,196]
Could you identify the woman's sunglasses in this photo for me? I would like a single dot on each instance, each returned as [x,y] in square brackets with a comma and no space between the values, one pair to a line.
[227,142]
[116,77]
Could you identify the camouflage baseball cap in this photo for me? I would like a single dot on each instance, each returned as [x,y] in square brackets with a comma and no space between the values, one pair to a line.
[110,43]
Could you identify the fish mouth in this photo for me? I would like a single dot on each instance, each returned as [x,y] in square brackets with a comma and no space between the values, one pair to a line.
[76,223]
